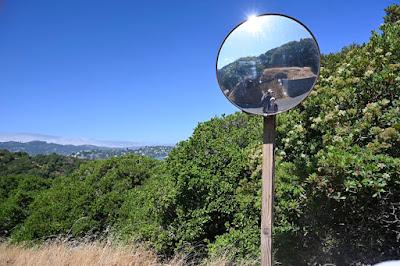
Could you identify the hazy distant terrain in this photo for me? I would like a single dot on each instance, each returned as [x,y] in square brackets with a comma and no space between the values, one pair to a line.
[42,147]
[156,152]
[83,151]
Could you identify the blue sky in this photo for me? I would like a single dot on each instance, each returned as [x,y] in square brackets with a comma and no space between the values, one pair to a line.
[258,35]
[141,71]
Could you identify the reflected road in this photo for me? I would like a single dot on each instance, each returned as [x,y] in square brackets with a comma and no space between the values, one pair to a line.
[283,104]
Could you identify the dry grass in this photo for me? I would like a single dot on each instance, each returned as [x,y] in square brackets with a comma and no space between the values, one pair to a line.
[65,253]
[89,253]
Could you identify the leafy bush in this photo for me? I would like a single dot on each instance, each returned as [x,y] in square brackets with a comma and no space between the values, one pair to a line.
[15,202]
[86,201]
[47,166]
[208,197]
[351,125]
[22,177]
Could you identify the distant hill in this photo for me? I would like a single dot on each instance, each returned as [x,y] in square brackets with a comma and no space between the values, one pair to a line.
[42,147]
[83,151]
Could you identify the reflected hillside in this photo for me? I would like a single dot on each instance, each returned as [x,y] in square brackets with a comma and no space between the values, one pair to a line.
[287,71]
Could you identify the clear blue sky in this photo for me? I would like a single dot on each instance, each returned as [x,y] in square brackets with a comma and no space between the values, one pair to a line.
[137,71]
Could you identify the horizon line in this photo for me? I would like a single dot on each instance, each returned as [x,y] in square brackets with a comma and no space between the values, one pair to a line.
[25,137]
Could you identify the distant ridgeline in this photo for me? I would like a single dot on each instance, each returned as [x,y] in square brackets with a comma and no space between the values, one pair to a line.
[83,151]
[286,55]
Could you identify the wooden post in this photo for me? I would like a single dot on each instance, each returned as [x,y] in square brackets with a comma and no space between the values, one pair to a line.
[268,173]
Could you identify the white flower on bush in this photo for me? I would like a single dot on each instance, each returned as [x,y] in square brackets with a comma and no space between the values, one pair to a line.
[317,120]
[299,128]
[337,139]
[368,73]
[340,70]
[282,153]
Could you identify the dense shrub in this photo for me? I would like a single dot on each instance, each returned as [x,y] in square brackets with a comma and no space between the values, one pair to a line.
[147,211]
[207,199]
[46,166]
[14,203]
[202,175]
[352,129]
[87,201]
[22,177]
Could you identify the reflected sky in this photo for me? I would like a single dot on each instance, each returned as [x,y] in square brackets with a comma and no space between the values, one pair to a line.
[258,35]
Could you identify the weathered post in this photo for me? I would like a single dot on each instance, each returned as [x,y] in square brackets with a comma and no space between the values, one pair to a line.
[268,173]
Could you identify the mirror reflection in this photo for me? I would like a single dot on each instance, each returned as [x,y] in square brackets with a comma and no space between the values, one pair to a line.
[268,64]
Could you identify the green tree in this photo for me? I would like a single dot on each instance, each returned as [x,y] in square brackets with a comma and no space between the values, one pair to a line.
[87,201]
[14,204]
[47,166]
[22,177]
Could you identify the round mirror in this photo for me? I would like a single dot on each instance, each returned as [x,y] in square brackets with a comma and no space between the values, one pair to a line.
[268,64]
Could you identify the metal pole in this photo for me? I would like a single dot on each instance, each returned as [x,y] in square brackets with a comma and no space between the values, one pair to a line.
[268,173]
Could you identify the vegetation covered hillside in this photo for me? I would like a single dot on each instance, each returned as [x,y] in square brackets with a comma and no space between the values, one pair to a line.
[89,152]
[87,201]
[44,148]
[338,171]
[337,178]
[22,177]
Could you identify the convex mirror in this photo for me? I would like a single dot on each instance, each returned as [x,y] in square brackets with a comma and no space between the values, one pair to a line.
[268,64]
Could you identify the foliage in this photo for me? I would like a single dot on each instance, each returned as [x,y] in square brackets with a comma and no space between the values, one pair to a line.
[86,201]
[46,166]
[210,196]
[22,177]
[392,14]
[204,173]
[145,214]
[14,203]
[351,125]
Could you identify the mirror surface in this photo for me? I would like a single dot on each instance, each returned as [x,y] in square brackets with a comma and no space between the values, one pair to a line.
[268,64]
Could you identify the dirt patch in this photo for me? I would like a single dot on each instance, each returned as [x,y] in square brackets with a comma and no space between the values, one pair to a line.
[286,73]
[270,79]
